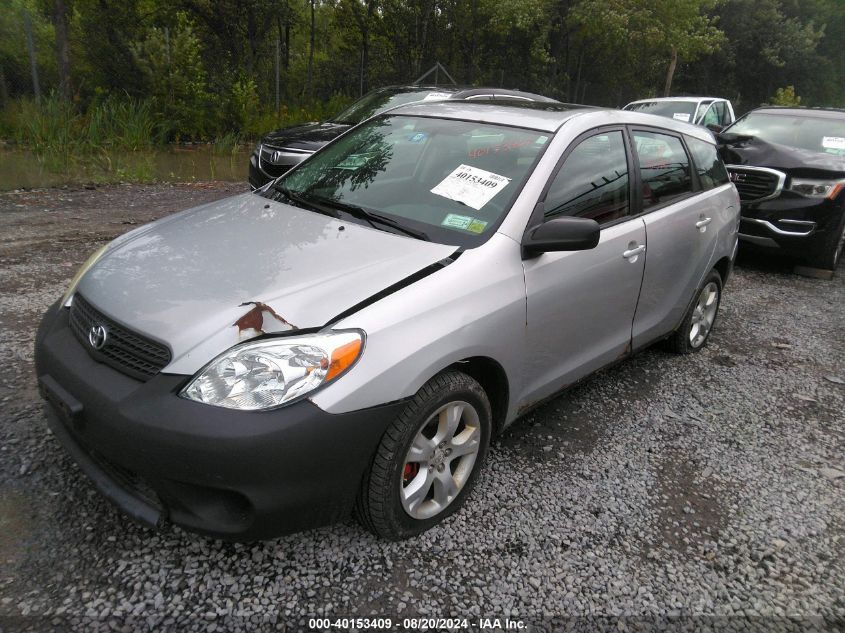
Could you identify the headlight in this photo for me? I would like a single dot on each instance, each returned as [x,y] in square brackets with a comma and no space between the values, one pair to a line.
[816,188]
[79,273]
[271,372]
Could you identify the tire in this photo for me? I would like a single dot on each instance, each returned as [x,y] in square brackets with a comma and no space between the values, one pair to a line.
[695,329]
[386,504]
[830,254]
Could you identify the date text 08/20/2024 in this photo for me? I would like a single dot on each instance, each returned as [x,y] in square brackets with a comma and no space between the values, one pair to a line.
[416,624]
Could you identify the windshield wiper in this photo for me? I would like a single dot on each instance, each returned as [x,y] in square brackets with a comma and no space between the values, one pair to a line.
[305,201]
[373,218]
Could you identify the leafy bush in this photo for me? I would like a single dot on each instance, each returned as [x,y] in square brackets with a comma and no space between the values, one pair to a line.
[786,97]
[171,62]
[128,124]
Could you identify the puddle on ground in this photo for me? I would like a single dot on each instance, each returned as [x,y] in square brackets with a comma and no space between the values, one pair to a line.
[20,169]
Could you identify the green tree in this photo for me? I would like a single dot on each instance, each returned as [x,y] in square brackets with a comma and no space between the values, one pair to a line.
[646,35]
[171,62]
[766,48]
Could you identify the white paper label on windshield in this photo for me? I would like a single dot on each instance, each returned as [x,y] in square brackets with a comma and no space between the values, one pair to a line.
[833,142]
[471,186]
[436,96]
[681,116]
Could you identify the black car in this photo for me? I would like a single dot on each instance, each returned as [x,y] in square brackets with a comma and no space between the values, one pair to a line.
[280,150]
[788,165]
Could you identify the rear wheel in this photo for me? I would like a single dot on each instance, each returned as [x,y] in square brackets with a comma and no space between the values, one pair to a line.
[428,459]
[698,323]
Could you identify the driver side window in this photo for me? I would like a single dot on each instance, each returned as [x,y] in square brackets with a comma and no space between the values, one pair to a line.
[593,182]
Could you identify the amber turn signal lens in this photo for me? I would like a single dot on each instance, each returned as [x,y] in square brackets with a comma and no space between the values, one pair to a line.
[342,358]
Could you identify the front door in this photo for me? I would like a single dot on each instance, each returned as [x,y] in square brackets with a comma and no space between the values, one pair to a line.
[581,304]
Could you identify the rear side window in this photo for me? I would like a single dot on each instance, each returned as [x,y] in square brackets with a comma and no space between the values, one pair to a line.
[664,168]
[593,182]
[711,170]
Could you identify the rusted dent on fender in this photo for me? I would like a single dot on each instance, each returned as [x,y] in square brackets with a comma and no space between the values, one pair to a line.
[254,318]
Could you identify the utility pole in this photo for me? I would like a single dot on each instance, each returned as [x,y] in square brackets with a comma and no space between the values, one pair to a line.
[27,26]
[278,69]
[60,23]
[4,89]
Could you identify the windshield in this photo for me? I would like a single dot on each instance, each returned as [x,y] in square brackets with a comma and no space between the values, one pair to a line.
[678,110]
[817,134]
[451,181]
[380,100]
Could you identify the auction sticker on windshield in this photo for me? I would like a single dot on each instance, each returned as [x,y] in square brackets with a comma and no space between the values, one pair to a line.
[681,116]
[471,186]
[437,96]
[833,142]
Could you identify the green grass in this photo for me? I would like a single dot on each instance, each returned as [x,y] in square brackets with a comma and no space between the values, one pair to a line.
[109,140]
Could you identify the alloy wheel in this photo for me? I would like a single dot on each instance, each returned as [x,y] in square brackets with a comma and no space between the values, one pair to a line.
[440,460]
[704,314]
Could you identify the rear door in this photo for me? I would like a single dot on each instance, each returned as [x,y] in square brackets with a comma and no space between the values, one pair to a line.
[580,304]
[677,223]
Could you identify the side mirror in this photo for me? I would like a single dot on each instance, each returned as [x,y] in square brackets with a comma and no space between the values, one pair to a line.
[561,234]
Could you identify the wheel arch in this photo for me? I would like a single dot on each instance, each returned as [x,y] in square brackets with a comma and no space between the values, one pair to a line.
[723,267]
[493,379]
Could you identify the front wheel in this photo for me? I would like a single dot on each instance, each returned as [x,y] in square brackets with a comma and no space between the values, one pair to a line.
[830,253]
[428,459]
[699,320]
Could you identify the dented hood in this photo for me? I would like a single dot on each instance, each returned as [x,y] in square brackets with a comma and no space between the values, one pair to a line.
[750,150]
[207,278]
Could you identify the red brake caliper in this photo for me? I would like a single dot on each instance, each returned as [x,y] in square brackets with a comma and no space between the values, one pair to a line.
[411,470]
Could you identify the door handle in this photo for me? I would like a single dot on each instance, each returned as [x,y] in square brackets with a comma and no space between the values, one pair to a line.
[634,252]
[703,222]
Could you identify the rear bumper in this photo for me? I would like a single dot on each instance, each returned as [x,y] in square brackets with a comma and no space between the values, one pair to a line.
[229,474]
[790,223]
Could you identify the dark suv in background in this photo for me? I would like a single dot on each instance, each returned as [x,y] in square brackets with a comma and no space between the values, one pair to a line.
[788,165]
[280,150]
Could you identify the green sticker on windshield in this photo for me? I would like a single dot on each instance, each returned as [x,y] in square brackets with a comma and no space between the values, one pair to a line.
[477,226]
[465,222]
[455,221]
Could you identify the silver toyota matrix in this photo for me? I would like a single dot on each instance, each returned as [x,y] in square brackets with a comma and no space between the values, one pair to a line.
[352,335]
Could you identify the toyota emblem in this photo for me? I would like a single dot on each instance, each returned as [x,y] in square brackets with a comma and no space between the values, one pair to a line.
[97,336]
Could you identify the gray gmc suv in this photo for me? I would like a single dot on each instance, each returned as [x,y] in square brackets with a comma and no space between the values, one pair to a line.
[353,335]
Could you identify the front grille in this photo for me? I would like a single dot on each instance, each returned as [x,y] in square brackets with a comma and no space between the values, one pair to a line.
[274,162]
[755,184]
[126,351]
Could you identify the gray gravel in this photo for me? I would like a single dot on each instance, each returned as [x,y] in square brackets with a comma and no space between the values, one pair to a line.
[667,487]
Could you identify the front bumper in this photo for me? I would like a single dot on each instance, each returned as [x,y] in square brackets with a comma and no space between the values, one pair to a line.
[791,223]
[230,474]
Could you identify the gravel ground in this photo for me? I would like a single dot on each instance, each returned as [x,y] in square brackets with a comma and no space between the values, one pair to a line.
[705,491]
